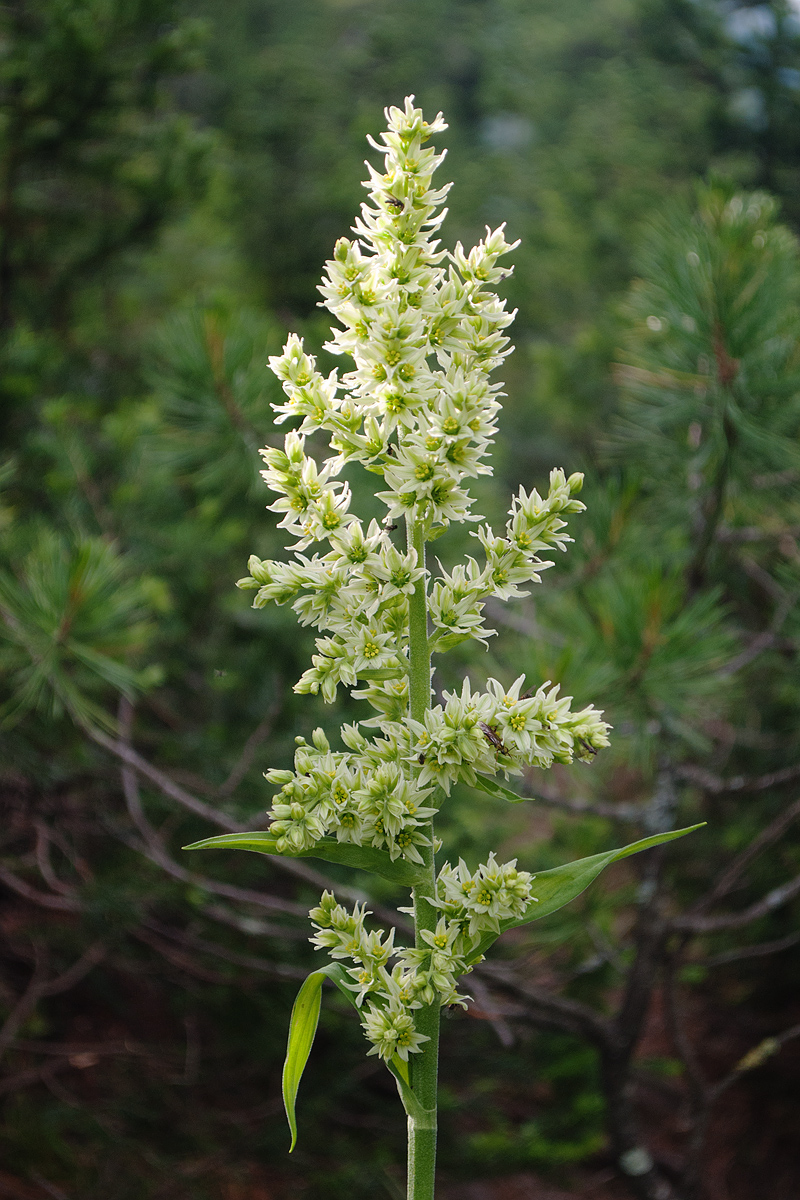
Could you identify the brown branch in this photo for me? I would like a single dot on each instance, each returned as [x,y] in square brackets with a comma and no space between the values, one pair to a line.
[252,926]
[40,1074]
[44,864]
[157,852]
[719,785]
[485,1008]
[62,903]
[129,756]
[754,1058]
[571,1016]
[38,987]
[759,950]
[764,580]
[753,533]
[259,734]
[190,941]
[553,798]
[779,896]
[734,871]
[700,1098]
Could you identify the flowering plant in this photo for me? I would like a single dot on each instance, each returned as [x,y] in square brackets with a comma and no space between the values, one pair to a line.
[425,330]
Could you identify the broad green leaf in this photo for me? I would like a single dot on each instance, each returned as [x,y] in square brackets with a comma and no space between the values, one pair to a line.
[368,858]
[555,888]
[484,784]
[302,1029]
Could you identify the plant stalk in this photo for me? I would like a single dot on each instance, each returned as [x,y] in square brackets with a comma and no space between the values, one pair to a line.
[424,1067]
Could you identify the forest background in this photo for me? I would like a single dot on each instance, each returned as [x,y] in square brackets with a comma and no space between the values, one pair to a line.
[172,177]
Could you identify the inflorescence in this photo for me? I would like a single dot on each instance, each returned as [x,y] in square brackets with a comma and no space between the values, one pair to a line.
[425,330]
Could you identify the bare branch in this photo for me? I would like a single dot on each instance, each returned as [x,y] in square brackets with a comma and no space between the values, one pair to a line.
[38,987]
[252,926]
[486,1009]
[44,864]
[553,798]
[755,1058]
[717,784]
[191,942]
[734,871]
[760,950]
[62,903]
[569,1015]
[158,855]
[129,756]
[754,533]
[23,1079]
[259,734]
[690,923]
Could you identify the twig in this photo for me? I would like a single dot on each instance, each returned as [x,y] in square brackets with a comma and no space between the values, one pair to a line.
[159,856]
[250,961]
[252,926]
[691,923]
[734,871]
[62,903]
[718,785]
[553,798]
[128,755]
[754,1058]
[760,950]
[259,734]
[486,1010]
[157,852]
[23,1079]
[38,987]
[569,1015]
[44,864]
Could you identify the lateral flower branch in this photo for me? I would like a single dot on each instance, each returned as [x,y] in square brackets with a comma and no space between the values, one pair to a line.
[425,330]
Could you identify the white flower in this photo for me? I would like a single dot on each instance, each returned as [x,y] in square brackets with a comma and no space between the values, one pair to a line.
[423,330]
[391,1031]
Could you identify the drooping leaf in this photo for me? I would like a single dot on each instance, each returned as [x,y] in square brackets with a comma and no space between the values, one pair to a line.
[555,888]
[302,1030]
[367,858]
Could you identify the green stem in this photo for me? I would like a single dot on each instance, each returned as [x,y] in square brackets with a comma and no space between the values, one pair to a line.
[424,1067]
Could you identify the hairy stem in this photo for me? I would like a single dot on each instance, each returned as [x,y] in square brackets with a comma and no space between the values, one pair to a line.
[424,1066]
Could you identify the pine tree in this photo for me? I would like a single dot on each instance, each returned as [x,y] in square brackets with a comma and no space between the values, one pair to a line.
[682,616]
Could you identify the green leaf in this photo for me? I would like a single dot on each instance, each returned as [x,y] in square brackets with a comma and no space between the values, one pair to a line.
[367,858]
[557,887]
[302,1030]
[484,784]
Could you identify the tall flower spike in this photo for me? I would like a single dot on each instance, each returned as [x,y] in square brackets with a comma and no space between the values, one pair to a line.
[424,329]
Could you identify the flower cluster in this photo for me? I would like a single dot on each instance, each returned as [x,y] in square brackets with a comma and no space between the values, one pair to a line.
[424,329]
[368,798]
[478,903]
[499,730]
[471,906]
[378,792]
